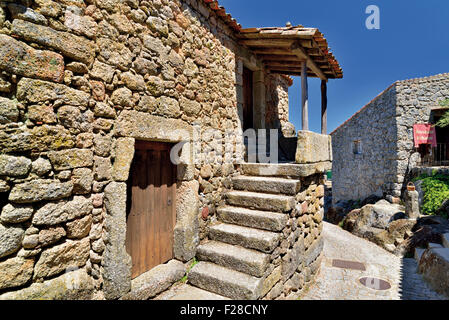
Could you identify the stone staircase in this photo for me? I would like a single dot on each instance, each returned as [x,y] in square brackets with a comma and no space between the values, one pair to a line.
[234,261]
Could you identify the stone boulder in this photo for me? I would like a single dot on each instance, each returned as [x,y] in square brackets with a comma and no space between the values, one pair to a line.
[384,213]
[386,225]
[381,223]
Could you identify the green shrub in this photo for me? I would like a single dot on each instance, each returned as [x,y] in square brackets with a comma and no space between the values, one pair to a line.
[436,191]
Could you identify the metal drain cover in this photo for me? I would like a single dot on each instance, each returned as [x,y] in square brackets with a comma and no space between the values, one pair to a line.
[343,264]
[375,283]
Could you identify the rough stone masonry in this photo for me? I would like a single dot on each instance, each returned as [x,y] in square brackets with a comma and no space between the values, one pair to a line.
[80,81]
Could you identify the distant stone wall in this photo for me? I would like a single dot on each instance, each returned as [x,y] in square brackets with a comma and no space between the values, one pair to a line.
[385,129]
[79,82]
[357,176]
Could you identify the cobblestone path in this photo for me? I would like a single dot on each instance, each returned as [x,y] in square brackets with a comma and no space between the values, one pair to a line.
[343,284]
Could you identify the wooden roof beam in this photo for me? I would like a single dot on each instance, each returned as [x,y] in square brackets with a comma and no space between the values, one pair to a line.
[297,49]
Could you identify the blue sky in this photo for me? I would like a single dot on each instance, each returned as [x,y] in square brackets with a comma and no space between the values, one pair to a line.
[413,41]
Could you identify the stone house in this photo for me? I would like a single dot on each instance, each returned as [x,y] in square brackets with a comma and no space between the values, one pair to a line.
[122,152]
[374,151]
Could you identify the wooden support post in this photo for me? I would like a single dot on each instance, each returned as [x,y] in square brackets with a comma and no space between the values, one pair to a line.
[323,107]
[305,97]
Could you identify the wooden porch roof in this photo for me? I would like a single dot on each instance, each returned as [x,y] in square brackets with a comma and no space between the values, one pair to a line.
[284,49]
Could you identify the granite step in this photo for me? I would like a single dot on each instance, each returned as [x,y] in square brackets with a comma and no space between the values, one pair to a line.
[266,220]
[267,184]
[225,282]
[236,258]
[249,238]
[445,240]
[261,201]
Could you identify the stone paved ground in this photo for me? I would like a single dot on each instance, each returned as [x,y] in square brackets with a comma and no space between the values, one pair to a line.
[342,284]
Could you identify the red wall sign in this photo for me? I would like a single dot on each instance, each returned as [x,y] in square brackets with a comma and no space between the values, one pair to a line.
[424,134]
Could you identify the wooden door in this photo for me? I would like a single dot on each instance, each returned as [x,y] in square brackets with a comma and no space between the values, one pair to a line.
[151,215]
[248,113]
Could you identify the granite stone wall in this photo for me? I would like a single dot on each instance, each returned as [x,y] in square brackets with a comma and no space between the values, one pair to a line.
[385,130]
[79,82]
